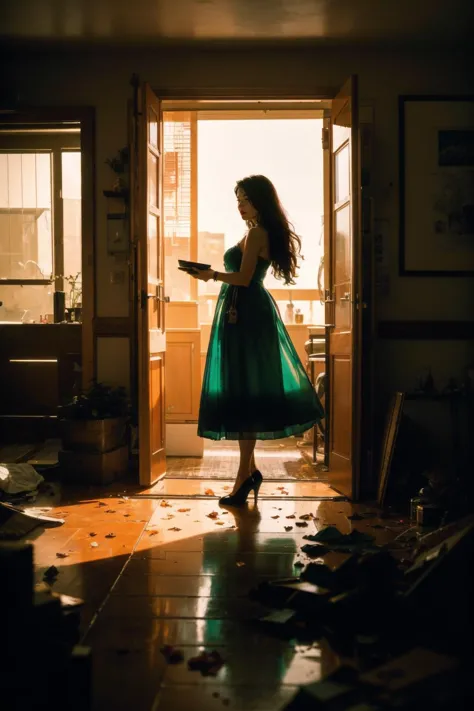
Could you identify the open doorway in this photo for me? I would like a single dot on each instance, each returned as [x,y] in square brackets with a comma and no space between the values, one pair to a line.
[165,218]
[205,152]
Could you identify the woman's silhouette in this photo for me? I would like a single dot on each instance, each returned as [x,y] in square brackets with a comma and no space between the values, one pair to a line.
[255,386]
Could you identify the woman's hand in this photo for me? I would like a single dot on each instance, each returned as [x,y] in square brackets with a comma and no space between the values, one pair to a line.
[202,274]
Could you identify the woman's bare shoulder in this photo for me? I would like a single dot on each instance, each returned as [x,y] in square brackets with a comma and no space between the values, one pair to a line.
[259,237]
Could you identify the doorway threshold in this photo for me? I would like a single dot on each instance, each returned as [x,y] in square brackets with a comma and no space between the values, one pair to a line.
[212,489]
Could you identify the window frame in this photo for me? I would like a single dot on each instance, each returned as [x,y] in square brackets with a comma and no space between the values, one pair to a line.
[55,142]
[271,110]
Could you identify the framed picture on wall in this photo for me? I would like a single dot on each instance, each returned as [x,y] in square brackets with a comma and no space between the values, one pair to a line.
[436,182]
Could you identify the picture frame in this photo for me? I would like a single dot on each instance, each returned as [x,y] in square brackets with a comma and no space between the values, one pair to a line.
[436,185]
[388,445]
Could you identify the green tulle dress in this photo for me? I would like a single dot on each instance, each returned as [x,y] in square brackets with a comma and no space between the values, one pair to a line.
[254,386]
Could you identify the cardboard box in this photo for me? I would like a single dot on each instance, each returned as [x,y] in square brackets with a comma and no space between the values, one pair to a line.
[93,435]
[93,467]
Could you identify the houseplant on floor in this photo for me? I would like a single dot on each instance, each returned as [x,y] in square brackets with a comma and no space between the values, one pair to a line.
[94,434]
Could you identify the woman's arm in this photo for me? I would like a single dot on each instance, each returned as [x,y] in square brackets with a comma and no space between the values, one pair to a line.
[253,244]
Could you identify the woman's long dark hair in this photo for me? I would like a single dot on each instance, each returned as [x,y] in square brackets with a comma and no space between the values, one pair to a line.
[285,245]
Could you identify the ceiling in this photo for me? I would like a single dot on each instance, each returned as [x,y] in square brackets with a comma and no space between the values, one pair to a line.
[153,22]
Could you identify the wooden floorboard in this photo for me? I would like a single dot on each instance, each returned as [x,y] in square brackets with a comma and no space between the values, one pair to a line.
[154,573]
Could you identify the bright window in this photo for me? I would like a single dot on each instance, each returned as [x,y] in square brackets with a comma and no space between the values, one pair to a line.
[203,159]
[289,153]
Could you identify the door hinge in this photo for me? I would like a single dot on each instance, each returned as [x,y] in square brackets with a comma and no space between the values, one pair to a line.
[325,138]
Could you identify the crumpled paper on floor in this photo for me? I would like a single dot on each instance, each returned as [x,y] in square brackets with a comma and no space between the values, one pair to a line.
[19,478]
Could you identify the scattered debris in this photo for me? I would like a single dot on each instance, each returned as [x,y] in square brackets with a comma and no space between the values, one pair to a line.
[277,516]
[288,528]
[306,517]
[101,503]
[153,533]
[174,529]
[291,516]
[213,514]
[110,511]
[334,539]
[240,563]
[301,524]
[164,504]
[183,510]
[219,523]
[62,555]
[94,544]
[92,534]
[126,515]
[315,551]
[51,573]
[209,492]
[172,655]
[110,535]
[208,663]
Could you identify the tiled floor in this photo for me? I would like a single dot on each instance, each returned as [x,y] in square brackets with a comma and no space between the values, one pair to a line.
[278,460]
[170,574]
[216,488]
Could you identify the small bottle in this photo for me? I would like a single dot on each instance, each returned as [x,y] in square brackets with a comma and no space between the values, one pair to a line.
[289,316]
[299,318]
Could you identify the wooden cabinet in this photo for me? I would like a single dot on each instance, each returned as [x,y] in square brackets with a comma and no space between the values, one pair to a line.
[39,367]
[183,374]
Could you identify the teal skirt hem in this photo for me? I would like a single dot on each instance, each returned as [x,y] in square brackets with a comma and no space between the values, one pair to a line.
[289,431]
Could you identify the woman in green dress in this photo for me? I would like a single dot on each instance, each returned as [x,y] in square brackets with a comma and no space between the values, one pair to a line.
[255,386]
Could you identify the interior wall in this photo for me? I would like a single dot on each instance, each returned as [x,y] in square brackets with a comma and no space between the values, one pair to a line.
[102,79]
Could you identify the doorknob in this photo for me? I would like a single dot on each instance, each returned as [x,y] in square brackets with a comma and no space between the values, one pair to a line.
[145,297]
[165,299]
[346,297]
[328,297]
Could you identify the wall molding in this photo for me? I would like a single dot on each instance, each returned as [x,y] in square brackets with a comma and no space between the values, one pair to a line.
[426,330]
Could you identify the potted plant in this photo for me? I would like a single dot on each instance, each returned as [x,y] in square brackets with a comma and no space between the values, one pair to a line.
[93,428]
[75,296]
[73,312]
[119,165]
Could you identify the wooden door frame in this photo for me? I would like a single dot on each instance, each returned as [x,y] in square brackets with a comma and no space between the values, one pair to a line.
[234,94]
[85,116]
[263,93]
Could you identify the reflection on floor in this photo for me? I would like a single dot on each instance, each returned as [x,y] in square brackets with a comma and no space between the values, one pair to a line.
[170,574]
[278,460]
[205,488]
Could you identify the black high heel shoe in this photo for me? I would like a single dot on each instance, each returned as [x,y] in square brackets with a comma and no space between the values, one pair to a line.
[253,483]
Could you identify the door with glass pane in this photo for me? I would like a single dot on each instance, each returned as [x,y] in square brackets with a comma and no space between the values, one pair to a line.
[343,277]
[147,162]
